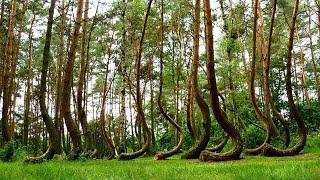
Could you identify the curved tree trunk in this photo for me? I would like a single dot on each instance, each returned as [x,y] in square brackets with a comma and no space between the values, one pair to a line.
[219,147]
[235,152]
[195,151]
[67,85]
[265,120]
[269,149]
[140,112]
[269,100]
[55,146]
[107,139]
[177,148]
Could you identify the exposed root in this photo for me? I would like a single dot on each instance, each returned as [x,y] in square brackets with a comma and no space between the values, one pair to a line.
[270,150]
[48,155]
[175,150]
[218,148]
[134,155]
[234,154]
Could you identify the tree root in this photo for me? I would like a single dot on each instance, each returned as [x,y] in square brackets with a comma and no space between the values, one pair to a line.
[48,155]
[234,154]
[218,148]
[175,150]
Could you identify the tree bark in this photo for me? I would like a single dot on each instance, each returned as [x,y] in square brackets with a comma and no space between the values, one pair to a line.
[55,146]
[26,121]
[13,71]
[80,109]
[177,148]
[8,59]
[67,86]
[314,63]
[266,59]
[140,112]
[195,151]
[2,62]
[190,111]
[269,149]
[222,120]
[58,121]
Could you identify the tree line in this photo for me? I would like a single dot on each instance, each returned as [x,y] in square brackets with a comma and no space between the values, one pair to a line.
[129,78]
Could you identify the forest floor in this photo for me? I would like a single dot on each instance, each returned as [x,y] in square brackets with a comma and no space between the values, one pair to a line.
[304,166]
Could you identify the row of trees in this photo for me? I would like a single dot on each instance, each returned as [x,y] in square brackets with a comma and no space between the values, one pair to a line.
[128,81]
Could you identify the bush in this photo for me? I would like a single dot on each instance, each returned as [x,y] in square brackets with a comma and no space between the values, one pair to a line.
[311,115]
[12,152]
[255,136]
[6,154]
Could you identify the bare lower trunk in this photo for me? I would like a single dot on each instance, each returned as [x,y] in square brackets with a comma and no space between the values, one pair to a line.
[194,152]
[269,149]
[177,148]
[140,112]
[80,108]
[26,121]
[67,86]
[222,120]
[55,146]
[7,76]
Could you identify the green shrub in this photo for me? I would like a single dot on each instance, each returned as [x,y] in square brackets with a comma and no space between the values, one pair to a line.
[311,115]
[255,136]
[6,154]
[12,151]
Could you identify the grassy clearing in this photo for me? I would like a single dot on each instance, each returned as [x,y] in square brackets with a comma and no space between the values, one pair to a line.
[305,166]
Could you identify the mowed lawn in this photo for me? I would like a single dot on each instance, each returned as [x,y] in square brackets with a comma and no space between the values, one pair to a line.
[304,166]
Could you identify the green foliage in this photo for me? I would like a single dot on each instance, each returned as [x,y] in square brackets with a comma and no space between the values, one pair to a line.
[11,152]
[6,154]
[313,144]
[255,136]
[311,115]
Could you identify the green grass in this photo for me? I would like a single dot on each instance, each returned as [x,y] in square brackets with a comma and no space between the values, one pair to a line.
[305,166]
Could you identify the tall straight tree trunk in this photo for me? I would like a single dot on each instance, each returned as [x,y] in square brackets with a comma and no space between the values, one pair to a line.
[26,121]
[195,151]
[314,63]
[67,85]
[2,62]
[123,71]
[16,56]
[150,74]
[190,110]
[140,112]
[8,59]
[306,97]
[55,146]
[80,109]
[269,149]
[222,120]
[59,125]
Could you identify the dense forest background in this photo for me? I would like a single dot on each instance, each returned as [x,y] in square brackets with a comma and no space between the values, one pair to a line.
[106,79]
